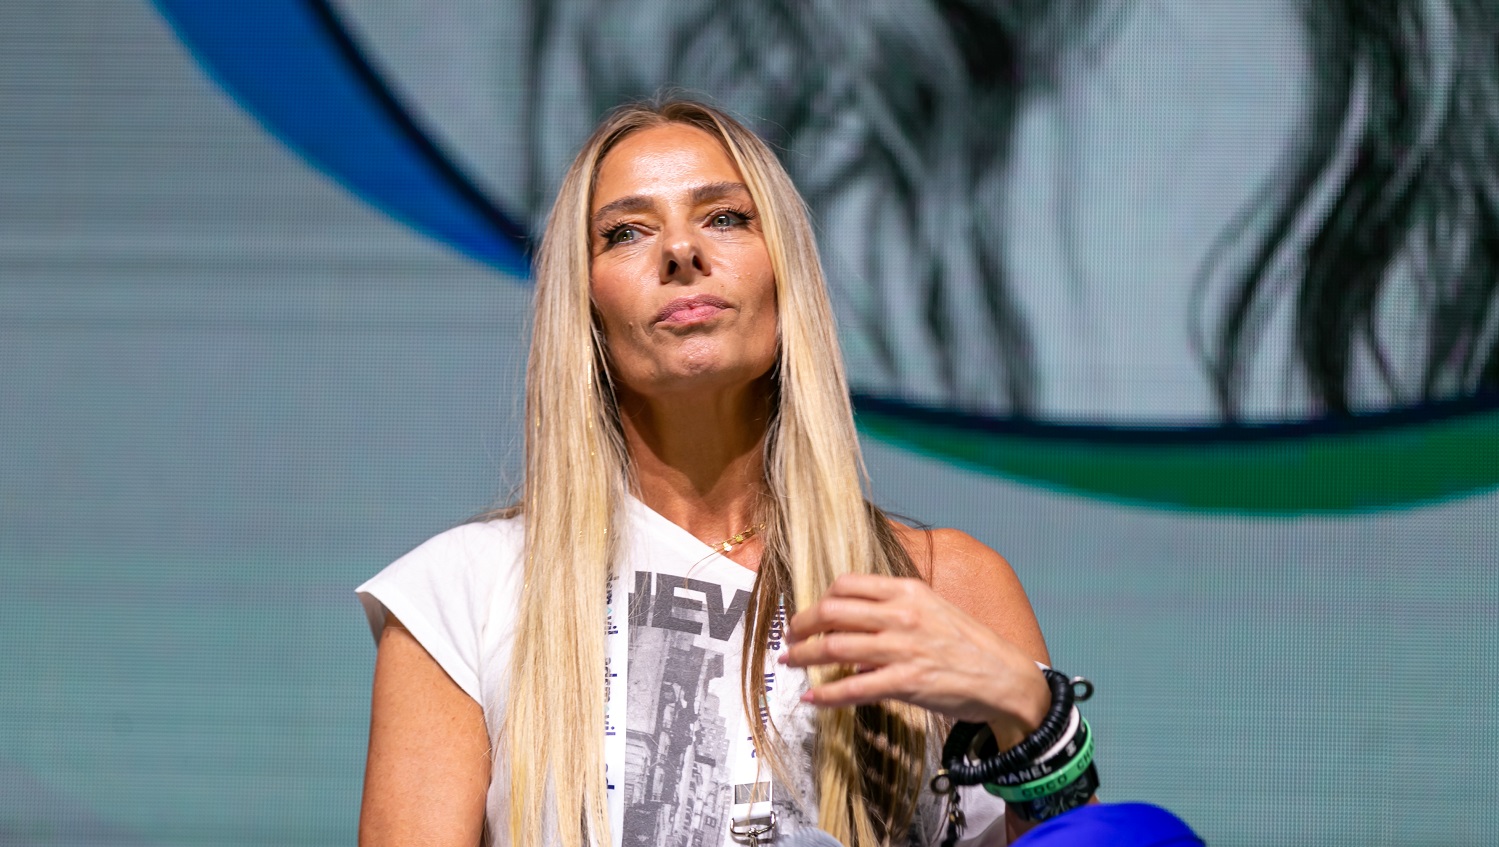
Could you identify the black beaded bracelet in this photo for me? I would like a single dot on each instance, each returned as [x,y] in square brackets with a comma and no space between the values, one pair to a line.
[959,770]
[1038,768]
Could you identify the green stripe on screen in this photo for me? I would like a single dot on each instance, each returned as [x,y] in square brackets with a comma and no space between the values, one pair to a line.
[1362,471]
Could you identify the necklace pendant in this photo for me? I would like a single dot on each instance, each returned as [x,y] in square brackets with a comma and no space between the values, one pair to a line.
[728,544]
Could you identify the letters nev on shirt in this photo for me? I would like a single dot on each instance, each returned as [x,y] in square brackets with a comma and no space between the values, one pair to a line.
[655,600]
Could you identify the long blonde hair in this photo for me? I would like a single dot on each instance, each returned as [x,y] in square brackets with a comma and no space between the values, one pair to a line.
[867,762]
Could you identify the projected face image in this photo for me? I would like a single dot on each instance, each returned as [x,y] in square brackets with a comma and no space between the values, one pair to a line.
[1085,211]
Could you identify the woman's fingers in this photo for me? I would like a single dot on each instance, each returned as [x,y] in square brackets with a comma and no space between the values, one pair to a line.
[860,688]
[848,614]
[848,648]
[909,644]
[874,587]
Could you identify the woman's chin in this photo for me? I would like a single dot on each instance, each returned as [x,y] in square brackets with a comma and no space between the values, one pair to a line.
[701,377]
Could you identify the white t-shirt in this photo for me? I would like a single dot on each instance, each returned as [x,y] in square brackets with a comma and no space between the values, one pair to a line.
[458,595]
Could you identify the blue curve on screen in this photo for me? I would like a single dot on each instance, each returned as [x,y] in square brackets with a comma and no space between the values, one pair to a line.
[295,67]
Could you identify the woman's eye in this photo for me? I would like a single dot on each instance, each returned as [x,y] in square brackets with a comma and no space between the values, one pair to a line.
[622,235]
[724,220]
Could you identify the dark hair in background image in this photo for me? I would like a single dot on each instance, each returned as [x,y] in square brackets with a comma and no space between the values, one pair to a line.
[912,108]
[1405,140]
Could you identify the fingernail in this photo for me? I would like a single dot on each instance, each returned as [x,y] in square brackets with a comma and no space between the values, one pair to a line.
[781,659]
[807,697]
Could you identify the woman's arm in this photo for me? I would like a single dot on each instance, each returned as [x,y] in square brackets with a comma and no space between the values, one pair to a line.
[964,645]
[982,584]
[977,580]
[428,768]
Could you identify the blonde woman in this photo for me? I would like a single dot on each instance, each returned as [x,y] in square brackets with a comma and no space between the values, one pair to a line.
[624,656]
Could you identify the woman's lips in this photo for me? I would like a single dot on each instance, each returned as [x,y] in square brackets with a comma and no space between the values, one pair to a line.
[685,310]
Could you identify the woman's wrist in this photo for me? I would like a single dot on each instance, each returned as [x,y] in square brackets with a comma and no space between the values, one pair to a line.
[1019,710]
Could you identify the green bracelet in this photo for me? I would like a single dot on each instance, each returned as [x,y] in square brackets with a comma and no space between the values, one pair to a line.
[1051,783]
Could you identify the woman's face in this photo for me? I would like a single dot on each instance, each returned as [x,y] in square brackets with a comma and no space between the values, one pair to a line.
[681,278]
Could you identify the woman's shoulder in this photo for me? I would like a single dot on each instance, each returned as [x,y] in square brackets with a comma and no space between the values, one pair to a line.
[940,553]
[478,541]
[468,559]
[444,593]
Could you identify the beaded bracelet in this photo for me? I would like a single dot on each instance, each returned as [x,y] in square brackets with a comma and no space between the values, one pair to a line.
[1042,789]
[1053,760]
[957,770]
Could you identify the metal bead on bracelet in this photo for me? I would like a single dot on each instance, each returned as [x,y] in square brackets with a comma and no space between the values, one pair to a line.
[958,769]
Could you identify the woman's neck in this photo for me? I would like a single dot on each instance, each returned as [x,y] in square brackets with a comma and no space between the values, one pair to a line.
[699,460]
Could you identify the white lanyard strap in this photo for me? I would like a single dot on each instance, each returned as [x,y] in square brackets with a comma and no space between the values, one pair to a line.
[752,814]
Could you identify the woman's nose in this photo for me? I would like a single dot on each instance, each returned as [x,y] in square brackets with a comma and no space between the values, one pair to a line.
[683,258]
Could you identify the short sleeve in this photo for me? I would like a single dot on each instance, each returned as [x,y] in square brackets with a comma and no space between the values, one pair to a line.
[442,593]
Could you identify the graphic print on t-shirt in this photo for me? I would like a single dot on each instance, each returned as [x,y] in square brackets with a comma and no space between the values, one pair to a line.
[684,702]
[684,679]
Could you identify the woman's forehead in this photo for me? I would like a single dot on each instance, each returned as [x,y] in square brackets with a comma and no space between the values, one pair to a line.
[670,159]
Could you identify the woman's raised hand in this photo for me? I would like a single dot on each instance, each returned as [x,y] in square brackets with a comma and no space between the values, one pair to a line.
[907,643]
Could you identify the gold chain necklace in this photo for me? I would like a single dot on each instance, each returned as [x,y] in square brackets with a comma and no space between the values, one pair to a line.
[738,538]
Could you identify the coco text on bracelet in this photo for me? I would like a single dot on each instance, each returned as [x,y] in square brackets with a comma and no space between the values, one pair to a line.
[1064,800]
[1051,783]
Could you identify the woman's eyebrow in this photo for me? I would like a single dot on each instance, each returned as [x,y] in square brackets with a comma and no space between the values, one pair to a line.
[624,205]
[697,196]
[716,191]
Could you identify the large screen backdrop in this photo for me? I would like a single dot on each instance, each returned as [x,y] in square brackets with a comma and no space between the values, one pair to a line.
[1185,307]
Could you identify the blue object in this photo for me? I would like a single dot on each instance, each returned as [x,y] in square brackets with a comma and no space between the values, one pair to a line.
[1113,825]
[297,68]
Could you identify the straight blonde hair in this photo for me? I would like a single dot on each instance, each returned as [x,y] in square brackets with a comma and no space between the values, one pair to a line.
[867,762]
